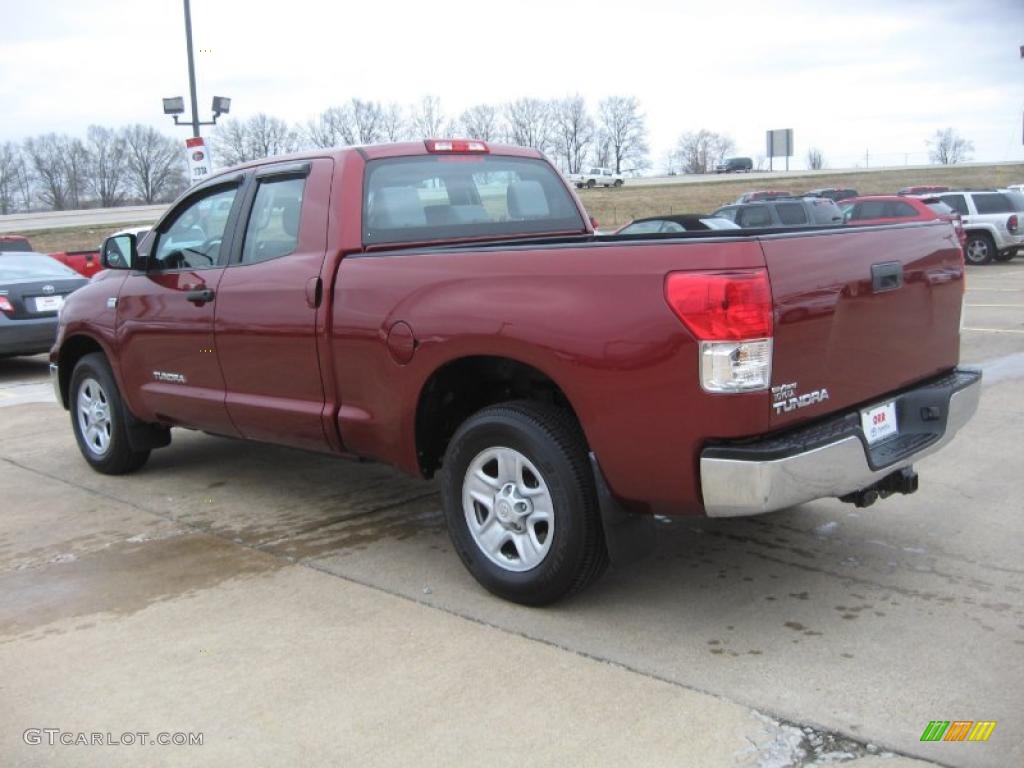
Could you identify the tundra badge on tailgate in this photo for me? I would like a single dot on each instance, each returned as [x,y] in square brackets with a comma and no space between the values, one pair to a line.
[785,398]
[173,378]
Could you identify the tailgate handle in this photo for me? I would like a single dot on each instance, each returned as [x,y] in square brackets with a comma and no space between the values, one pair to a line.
[887,276]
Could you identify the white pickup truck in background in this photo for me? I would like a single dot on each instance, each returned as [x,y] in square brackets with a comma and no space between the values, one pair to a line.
[596,177]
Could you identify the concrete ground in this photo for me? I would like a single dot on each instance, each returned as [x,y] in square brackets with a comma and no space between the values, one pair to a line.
[296,609]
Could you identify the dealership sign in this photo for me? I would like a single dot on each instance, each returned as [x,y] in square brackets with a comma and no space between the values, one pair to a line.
[199,165]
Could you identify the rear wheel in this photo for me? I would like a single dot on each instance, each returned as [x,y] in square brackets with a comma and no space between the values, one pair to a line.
[520,503]
[618,182]
[98,418]
[591,183]
[980,248]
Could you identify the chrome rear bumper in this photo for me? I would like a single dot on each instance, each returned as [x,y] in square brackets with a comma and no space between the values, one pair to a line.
[781,472]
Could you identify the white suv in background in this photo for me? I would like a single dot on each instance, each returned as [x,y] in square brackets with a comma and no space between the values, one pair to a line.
[993,222]
[596,177]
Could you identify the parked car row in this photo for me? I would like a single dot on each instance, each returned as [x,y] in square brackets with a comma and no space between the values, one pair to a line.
[34,286]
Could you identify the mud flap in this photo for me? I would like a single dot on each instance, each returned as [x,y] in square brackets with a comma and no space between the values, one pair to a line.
[629,537]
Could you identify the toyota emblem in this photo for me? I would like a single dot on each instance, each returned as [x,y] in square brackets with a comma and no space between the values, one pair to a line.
[197,156]
[48,290]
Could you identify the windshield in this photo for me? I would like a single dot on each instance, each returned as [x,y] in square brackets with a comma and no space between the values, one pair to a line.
[452,197]
[32,266]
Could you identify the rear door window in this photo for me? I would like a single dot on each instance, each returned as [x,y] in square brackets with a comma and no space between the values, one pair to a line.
[897,209]
[957,203]
[869,209]
[792,214]
[451,197]
[755,216]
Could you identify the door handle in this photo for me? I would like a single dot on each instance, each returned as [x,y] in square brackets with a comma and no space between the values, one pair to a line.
[201,296]
[887,276]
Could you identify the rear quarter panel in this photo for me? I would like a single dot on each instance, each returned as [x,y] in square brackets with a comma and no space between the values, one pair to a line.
[594,319]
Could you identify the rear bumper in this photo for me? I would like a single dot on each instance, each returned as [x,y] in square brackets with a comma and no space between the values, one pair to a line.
[832,459]
[27,337]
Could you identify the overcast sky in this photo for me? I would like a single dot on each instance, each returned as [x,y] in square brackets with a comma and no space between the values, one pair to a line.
[847,77]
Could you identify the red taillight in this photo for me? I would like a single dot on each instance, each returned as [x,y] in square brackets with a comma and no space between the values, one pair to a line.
[727,305]
[455,145]
[1012,223]
[5,304]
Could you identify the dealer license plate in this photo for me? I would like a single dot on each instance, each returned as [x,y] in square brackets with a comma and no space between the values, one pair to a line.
[49,303]
[879,423]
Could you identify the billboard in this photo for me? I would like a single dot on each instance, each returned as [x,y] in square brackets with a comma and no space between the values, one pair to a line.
[780,143]
[199,163]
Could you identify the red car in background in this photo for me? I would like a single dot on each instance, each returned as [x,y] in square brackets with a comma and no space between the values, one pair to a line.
[894,209]
[922,189]
[15,244]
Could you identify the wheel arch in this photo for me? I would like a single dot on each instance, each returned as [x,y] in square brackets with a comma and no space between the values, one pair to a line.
[73,349]
[460,387]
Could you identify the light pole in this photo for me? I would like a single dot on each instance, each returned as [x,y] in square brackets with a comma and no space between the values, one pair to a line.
[176,105]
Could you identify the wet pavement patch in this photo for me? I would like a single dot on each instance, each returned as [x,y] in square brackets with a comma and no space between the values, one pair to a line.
[121,580]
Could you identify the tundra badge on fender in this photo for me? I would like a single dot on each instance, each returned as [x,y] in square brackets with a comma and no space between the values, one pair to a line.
[785,398]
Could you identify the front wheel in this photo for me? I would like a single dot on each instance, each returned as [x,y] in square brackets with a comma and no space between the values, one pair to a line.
[98,418]
[618,182]
[979,248]
[520,504]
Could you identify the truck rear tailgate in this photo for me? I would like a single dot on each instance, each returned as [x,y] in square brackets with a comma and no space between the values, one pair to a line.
[860,312]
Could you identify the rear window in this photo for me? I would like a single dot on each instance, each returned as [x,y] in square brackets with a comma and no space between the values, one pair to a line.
[993,202]
[449,197]
[15,245]
[32,266]
[791,213]
[755,216]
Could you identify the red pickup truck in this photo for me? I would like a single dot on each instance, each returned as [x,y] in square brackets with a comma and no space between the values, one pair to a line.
[445,306]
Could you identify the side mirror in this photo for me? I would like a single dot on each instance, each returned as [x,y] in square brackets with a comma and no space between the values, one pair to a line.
[119,252]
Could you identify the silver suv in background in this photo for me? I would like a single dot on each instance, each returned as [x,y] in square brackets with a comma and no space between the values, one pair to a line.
[784,212]
[992,221]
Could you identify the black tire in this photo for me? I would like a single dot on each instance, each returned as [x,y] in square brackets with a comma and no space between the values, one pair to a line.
[117,456]
[552,441]
[979,249]
[618,182]
[1004,256]
[591,183]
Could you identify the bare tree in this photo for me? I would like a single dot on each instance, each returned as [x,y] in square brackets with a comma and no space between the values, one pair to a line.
[393,124]
[45,154]
[815,159]
[11,167]
[77,163]
[480,122]
[427,118]
[155,164]
[573,131]
[260,136]
[108,165]
[328,129]
[947,147]
[529,123]
[603,151]
[366,122]
[626,129]
[698,151]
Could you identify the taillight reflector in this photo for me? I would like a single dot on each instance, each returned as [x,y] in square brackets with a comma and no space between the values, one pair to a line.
[456,145]
[728,305]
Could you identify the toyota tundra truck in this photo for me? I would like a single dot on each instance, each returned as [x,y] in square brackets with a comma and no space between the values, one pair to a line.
[445,307]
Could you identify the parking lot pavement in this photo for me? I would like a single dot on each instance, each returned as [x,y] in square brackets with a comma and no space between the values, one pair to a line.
[285,603]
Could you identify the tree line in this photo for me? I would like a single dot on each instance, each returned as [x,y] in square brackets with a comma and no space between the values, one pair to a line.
[614,136]
[109,167]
